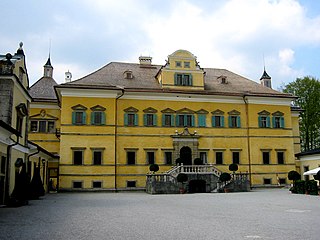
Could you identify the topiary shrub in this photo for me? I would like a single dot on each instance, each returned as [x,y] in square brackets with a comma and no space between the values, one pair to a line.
[178,161]
[224,177]
[311,187]
[154,168]
[182,177]
[233,167]
[300,186]
[293,176]
[198,161]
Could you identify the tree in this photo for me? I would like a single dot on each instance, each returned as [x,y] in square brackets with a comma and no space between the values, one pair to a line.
[307,90]
[294,176]
[233,167]
[154,168]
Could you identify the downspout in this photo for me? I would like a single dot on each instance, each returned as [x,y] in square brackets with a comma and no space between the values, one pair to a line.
[115,137]
[28,159]
[6,184]
[248,137]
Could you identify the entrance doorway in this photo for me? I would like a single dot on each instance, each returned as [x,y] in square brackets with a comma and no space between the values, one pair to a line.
[186,156]
[197,186]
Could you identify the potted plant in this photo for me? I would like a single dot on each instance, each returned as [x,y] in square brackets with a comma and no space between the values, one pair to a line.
[224,177]
[181,178]
[294,176]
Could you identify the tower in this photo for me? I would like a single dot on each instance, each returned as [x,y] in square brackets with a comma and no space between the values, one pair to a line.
[48,69]
[265,79]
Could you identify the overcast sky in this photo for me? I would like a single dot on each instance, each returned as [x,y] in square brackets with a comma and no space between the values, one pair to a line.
[239,35]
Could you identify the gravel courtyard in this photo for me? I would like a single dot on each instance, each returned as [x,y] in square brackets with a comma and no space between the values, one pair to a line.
[260,214]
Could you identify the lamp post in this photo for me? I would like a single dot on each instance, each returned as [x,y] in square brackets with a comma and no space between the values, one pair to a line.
[43,170]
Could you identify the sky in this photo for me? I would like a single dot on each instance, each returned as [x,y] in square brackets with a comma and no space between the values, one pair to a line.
[242,36]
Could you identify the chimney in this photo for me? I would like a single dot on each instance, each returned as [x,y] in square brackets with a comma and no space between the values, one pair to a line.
[145,60]
[68,76]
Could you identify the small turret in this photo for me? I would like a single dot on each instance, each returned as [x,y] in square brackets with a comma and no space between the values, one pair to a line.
[265,79]
[68,76]
[48,69]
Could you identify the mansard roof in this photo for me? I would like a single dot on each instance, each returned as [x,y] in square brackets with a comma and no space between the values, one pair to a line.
[43,89]
[111,75]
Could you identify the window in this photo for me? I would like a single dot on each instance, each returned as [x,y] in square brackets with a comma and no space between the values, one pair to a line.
[51,126]
[267,181]
[201,120]
[77,157]
[236,157]
[168,158]
[42,126]
[185,120]
[219,157]
[22,111]
[264,121]
[131,119]
[96,184]
[280,157]
[217,121]
[150,119]
[150,158]
[203,157]
[97,157]
[34,126]
[187,64]
[98,118]
[77,184]
[266,157]
[178,64]
[183,79]
[78,118]
[131,184]
[131,157]
[167,120]
[234,121]
[278,122]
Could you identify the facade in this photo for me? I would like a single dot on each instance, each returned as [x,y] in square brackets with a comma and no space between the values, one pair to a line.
[307,161]
[118,120]
[19,157]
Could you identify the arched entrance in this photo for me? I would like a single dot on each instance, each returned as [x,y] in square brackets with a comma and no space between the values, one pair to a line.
[197,186]
[186,156]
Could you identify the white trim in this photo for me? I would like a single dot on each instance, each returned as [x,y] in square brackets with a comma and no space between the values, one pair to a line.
[46,106]
[269,100]
[294,114]
[184,70]
[310,158]
[21,148]
[93,93]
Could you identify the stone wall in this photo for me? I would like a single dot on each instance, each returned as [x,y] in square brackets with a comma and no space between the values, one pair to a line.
[6,98]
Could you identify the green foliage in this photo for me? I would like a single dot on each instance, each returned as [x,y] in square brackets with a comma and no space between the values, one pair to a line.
[233,167]
[307,90]
[154,168]
[293,175]
[300,186]
[224,177]
[198,161]
[311,187]
[182,177]
[178,161]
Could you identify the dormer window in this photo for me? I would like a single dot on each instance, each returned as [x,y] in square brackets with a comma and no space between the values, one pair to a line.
[187,64]
[182,79]
[223,79]
[128,74]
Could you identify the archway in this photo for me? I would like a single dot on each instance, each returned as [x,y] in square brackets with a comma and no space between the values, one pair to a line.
[197,186]
[186,156]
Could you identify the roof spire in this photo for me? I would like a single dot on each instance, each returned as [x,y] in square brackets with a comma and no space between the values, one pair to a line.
[265,79]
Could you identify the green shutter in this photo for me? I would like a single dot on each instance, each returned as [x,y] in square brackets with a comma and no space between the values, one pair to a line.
[268,121]
[175,79]
[92,118]
[201,120]
[273,122]
[222,121]
[163,119]
[177,120]
[136,122]
[282,122]
[126,119]
[155,119]
[213,120]
[84,118]
[230,121]
[103,118]
[73,117]
[172,120]
[145,121]
[260,121]
[190,77]
[192,120]
[238,121]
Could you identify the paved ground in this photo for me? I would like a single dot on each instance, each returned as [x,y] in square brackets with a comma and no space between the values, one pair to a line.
[261,214]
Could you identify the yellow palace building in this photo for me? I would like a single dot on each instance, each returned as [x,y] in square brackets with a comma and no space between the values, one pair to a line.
[109,126]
